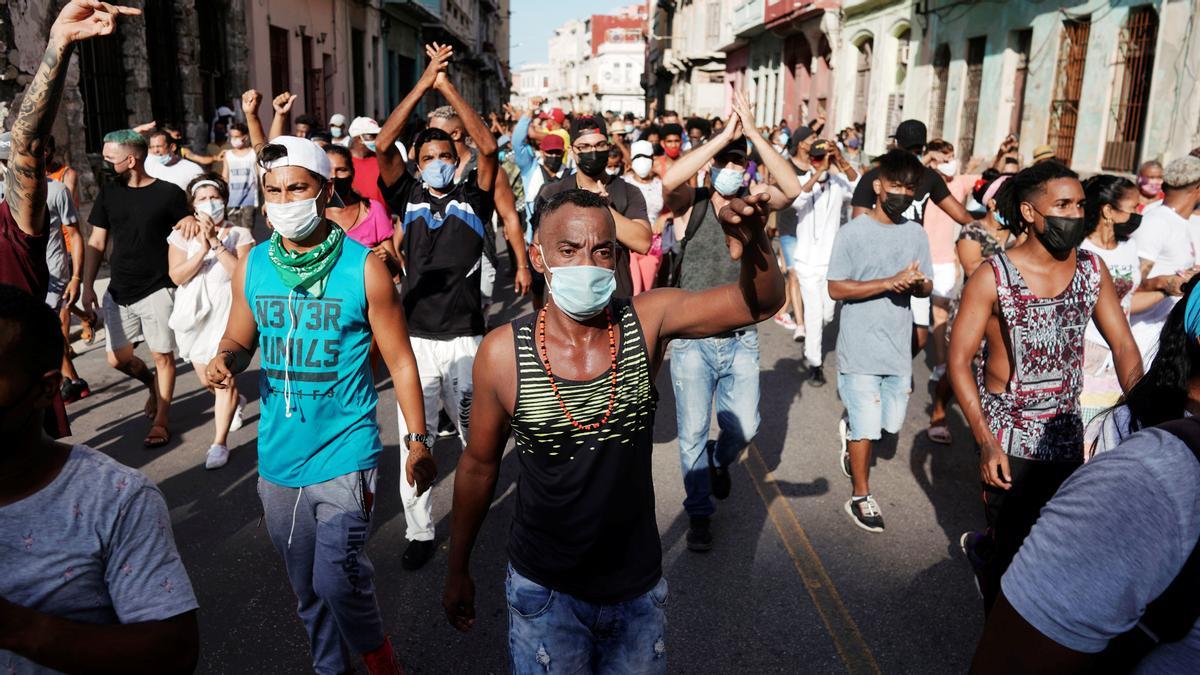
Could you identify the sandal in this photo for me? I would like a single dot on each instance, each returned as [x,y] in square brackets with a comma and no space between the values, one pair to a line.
[159,436]
[939,433]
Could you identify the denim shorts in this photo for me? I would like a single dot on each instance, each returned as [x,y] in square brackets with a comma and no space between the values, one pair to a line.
[874,403]
[787,246]
[552,632]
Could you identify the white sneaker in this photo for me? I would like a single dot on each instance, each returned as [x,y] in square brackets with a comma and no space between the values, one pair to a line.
[937,373]
[844,454]
[798,334]
[218,456]
[237,416]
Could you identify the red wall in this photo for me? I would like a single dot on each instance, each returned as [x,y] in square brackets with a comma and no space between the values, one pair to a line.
[602,23]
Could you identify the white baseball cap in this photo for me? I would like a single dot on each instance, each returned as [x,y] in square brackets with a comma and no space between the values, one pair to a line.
[362,125]
[303,153]
[640,148]
[338,120]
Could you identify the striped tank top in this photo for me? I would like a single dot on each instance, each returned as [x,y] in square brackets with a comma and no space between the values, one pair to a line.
[584,522]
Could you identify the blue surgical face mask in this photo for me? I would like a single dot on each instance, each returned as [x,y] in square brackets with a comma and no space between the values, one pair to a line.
[161,159]
[336,132]
[370,145]
[580,291]
[999,219]
[727,181]
[503,156]
[437,174]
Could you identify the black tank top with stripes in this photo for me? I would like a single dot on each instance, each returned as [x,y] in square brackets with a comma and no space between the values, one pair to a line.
[584,522]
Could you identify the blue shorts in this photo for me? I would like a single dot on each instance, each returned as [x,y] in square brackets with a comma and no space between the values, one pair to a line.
[874,403]
[787,246]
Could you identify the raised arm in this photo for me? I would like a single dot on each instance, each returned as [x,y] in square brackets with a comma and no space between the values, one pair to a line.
[485,142]
[688,165]
[387,155]
[478,469]
[25,180]
[520,142]
[757,295]
[282,106]
[251,100]
[787,186]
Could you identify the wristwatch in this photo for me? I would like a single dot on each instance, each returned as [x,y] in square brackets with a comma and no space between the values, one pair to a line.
[423,439]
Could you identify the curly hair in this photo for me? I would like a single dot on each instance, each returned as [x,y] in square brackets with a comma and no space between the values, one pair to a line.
[1024,184]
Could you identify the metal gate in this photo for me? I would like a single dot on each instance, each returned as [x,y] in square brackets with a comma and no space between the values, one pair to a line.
[970,112]
[102,84]
[941,83]
[1068,86]
[862,89]
[1131,89]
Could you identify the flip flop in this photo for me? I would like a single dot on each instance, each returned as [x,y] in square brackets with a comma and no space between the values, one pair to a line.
[939,433]
[159,436]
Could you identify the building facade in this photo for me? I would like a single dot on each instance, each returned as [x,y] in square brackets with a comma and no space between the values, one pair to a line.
[531,80]
[596,63]
[685,66]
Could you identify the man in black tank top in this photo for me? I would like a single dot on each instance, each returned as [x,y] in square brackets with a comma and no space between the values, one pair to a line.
[575,384]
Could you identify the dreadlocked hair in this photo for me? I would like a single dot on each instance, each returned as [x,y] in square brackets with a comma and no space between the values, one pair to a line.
[1024,184]
[1162,393]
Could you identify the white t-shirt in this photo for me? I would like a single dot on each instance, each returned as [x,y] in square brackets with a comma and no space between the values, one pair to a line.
[179,173]
[819,215]
[1125,268]
[652,192]
[1164,238]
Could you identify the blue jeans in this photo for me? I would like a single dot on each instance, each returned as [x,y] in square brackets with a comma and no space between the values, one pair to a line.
[727,367]
[552,632]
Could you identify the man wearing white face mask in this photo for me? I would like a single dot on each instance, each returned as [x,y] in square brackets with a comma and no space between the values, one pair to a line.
[311,300]
[164,163]
[644,267]
[444,237]
[724,367]
[240,175]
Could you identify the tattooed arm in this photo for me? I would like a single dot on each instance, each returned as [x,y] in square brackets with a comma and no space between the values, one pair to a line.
[25,182]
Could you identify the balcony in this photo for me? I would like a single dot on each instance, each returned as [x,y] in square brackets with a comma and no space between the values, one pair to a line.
[747,15]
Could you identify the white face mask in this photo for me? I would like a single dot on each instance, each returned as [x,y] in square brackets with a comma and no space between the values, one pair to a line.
[612,170]
[294,220]
[948,169]
[215,208]
[239,142]
[642,166]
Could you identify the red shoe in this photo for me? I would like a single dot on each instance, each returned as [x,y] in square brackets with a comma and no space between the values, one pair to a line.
[382,661]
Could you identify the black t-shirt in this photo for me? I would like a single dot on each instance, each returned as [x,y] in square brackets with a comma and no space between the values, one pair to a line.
[931,184]
[138,221]
[444,239]
[626,199]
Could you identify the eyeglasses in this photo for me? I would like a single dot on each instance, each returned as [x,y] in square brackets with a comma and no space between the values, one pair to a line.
[602,146]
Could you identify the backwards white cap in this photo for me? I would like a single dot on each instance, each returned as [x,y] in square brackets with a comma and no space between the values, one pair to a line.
[362,125]
[338,120]
[304,153]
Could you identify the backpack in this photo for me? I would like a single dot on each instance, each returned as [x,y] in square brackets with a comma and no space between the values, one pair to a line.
[1171,616]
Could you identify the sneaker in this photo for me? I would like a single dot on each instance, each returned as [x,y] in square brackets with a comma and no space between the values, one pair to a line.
[73,390]
[816,376]
[784,319]
[699,535]
[218,456]
[937,373]
[416,555]
[865,513]
[718,476]
[445,426]
[238,420]
[967,544]
[844,438]
[798,334]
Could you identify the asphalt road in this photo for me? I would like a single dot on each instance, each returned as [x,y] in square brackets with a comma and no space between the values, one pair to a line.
[791,586]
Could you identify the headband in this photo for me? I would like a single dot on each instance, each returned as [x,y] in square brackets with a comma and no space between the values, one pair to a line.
[1191,315]
[202,183]
[993,189]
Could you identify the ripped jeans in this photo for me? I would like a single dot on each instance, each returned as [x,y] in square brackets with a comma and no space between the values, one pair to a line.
[552,632]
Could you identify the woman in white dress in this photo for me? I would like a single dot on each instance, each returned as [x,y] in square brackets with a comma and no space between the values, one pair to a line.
[202,267]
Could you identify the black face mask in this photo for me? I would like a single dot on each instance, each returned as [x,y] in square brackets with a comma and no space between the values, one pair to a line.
[345,189]
[895,204]
[552,162]
[1126,229]
[593,163]
[1062,235]
[108,171]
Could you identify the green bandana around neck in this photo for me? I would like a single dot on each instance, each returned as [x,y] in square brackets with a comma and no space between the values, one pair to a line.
[311,268]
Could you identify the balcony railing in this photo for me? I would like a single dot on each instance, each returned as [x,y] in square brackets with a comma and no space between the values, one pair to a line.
[747,14]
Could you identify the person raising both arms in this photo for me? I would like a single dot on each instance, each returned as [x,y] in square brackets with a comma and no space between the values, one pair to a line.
[575,385]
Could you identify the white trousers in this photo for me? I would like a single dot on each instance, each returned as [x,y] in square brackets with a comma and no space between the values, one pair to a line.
[818,308]
[444,367]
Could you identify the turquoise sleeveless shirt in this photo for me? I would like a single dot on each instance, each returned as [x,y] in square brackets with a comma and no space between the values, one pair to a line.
[316,391]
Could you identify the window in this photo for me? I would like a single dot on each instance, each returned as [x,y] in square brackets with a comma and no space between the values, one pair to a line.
[941,84]
[162,52]
[970,109]
[862,87]
[357,48]
[896,98]
[1023,39]
[211,17]
[1068,86]
[713,22]
[281,68]
[1131,88]
[102,85]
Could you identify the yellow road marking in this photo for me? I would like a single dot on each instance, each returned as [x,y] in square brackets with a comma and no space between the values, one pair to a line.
[849,642]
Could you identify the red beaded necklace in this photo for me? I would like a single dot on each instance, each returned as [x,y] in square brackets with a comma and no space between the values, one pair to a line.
[612,393]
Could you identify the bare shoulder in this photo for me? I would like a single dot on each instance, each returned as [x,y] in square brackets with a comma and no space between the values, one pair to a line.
[496,348]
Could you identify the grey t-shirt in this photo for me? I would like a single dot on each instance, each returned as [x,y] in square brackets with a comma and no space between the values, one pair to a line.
[875,335]
[95,546]
[61,209]
[706,262]
[1113,538]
